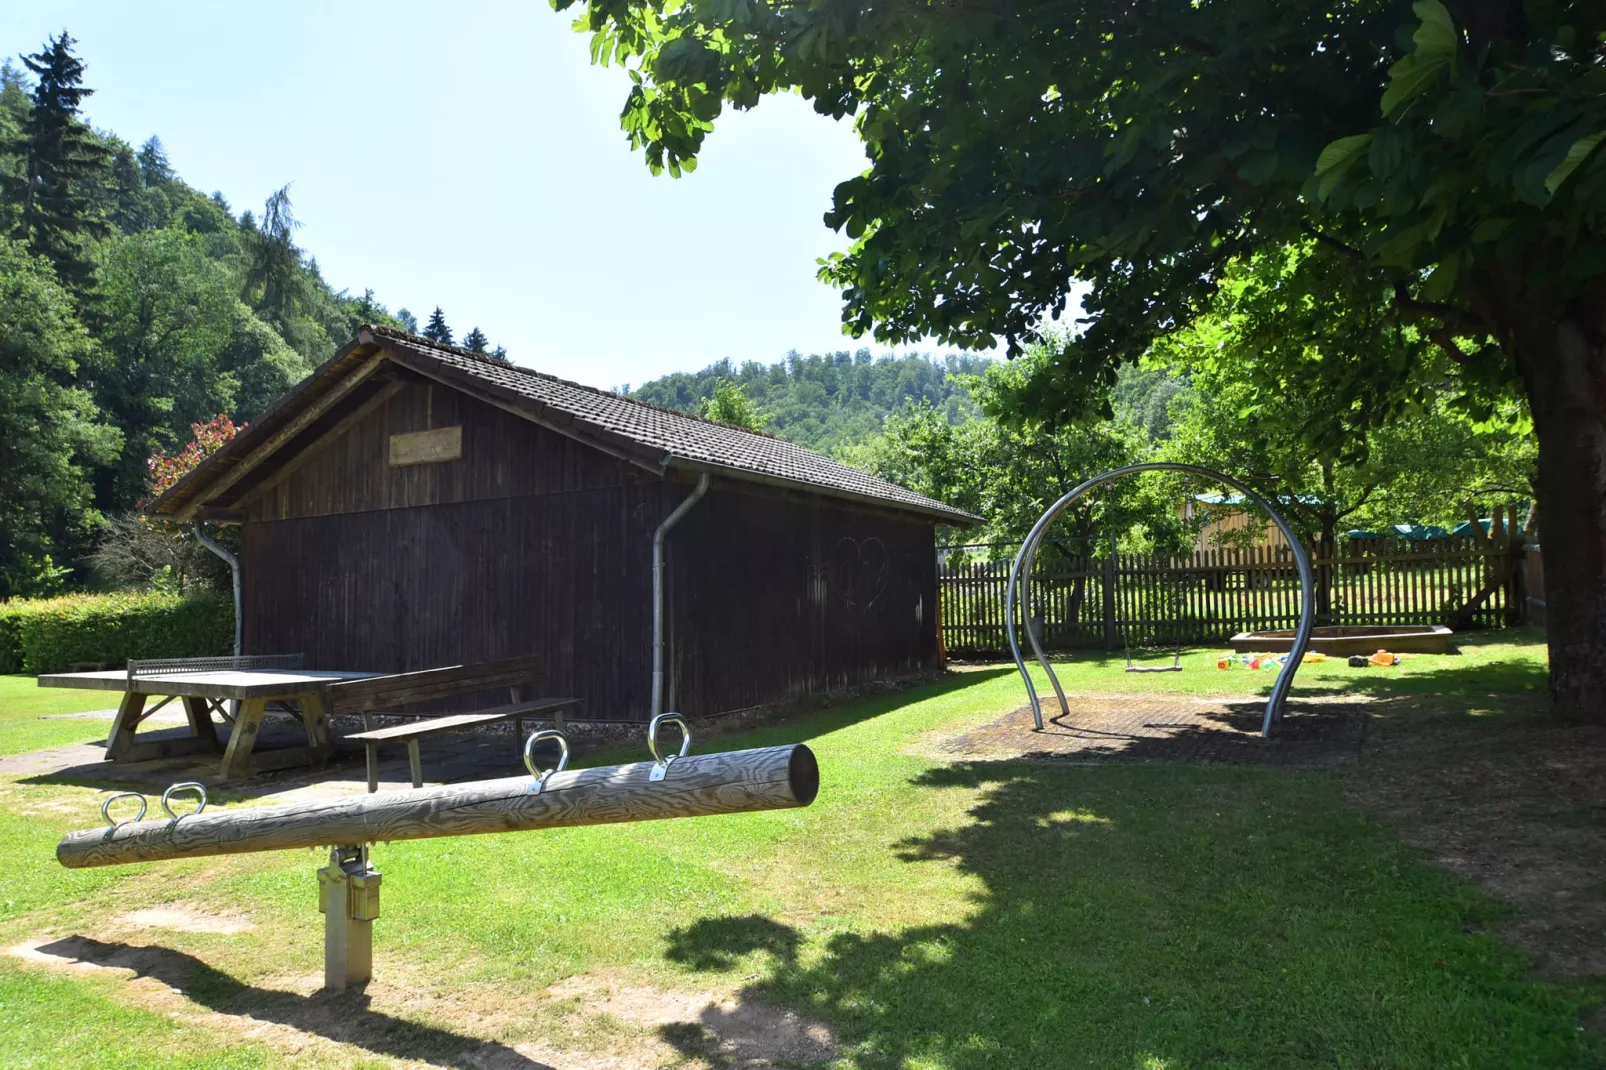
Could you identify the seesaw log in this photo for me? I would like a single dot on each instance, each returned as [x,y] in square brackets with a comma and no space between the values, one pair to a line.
[770,778]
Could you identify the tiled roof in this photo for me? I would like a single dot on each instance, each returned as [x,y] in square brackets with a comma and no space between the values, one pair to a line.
[680,436]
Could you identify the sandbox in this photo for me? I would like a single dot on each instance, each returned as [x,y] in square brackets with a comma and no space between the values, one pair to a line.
[1342,640]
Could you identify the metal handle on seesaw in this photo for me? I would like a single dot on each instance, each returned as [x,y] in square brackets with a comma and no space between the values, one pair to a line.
[660,768]
[105,807]
[529,757]
[184,785]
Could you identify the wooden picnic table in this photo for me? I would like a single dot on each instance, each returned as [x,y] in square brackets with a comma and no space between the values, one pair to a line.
[254,689]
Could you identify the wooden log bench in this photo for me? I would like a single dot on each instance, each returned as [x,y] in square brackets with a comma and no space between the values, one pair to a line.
[381,696]
[412,733]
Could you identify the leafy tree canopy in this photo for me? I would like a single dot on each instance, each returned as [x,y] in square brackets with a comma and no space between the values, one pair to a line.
[825,401]
[51,436]
[1451,152]
[731,405]
[175,310]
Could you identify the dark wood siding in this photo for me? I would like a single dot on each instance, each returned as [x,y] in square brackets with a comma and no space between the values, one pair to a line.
[563,576]
[772,598]
[503,456]
[533,543]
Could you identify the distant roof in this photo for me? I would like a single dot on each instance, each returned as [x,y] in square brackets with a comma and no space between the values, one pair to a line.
[1239,499]
[1413,532]
[654,437]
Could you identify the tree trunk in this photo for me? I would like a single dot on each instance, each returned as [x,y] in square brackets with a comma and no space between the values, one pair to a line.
[1562,359]
[1327,555]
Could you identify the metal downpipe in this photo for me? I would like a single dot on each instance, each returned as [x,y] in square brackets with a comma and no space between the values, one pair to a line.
[658,589]
[234,570]
[1028,554]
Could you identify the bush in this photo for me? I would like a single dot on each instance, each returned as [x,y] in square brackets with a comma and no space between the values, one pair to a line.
[52,634]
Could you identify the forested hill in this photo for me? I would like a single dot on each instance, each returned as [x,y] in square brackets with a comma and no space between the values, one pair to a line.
[830,400]
[132,306]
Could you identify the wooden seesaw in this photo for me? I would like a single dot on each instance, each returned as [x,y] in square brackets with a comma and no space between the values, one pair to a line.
[679,785]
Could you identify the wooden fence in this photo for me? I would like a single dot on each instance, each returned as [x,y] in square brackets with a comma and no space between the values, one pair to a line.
[1111,600]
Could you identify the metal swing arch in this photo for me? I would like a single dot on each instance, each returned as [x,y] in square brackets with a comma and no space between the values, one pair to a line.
[1027,557]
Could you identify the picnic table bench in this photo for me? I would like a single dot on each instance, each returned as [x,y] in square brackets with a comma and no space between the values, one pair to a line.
[412,733]
[379,697]
[312,696]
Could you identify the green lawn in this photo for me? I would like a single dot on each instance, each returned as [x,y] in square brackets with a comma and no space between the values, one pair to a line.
[1488,662]
[23,703]
[934,914]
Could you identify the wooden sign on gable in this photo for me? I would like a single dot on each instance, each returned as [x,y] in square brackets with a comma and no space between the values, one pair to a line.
[426,447]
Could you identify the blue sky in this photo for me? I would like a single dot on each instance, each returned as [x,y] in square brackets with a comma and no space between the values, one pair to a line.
[469,155]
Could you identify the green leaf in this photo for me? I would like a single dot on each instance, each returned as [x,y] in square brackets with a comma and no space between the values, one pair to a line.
[1490,229]
[1576,155]
[1336,159]
[1441,283]
[1436,37]
[1409,78]
[1258,169]
[1341,153]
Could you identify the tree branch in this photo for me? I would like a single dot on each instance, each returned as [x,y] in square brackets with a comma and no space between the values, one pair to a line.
[1335,244]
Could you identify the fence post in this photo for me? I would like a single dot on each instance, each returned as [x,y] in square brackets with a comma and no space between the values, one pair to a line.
[1108,586]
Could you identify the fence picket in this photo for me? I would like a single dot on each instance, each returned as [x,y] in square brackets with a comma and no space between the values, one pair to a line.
[1211,594]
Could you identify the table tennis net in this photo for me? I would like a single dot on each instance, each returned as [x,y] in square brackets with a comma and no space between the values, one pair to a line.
[174,666]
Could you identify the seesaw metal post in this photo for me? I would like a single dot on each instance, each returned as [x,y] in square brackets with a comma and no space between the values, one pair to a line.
[348,895]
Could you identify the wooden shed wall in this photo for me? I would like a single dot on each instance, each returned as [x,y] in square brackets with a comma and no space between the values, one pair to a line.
[535,543]
[530,543]
[566,576]
[773,597]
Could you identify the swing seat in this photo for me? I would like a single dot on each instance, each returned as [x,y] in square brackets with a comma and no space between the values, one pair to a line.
[1153,668]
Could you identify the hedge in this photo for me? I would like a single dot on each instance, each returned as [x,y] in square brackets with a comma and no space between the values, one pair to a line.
[53,634]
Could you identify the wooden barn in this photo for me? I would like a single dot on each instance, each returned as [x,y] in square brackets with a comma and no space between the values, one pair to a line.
[412,505]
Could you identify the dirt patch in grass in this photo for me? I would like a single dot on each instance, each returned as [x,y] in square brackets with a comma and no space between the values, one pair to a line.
[724,1030]
[584,1023]
[1169,728]
[1509,800]
[185,919]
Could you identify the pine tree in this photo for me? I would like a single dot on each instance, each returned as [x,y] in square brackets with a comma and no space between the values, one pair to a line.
[61,159]
[275,284]
[499,354]
[475,341]
[153,163]
[436,330]
[130,210]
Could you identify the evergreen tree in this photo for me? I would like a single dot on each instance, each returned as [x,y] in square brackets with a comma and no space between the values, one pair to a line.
[275,285]
[131,210]
[436,330]
[61,161]
[499,354]
[153,163]
[408,321]
[475,341]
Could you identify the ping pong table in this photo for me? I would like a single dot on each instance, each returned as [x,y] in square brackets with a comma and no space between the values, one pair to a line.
[204,685]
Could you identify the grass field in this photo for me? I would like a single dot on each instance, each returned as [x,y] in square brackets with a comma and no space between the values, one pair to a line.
[23,703]
[930,913]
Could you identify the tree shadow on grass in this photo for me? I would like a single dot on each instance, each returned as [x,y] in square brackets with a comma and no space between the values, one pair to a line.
[341,1017]
[1159,916]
